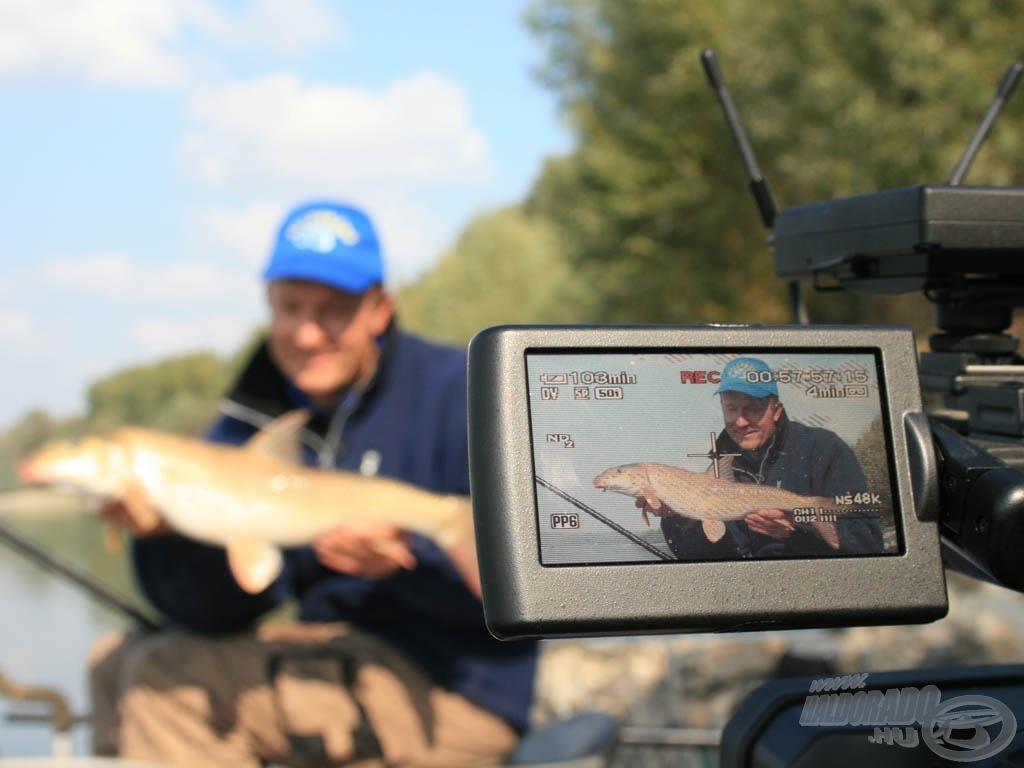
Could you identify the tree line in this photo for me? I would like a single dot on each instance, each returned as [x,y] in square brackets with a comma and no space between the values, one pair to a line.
[649,218]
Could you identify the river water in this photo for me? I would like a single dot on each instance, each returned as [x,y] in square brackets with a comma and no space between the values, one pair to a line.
[48,625]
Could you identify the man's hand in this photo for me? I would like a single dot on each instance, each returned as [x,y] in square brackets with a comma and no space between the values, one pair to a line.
[775,523]
[370,550]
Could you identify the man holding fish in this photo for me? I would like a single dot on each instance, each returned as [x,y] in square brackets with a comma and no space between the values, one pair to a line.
[391,662]
[765,447]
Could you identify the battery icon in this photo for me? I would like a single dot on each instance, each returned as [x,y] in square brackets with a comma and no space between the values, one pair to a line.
[554,378]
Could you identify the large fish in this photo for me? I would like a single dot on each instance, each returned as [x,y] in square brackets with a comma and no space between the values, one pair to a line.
[251,500]
[714,500]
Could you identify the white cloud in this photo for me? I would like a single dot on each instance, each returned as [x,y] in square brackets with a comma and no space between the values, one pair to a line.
[157,309]
[246,235]
[411,237]
[141,41]
[219,332]
[17,330]
[123,41]
[126,281]
[286,26]
[280,129]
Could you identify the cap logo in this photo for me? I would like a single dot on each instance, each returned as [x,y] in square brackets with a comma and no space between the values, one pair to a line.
[321,231]
[741,369]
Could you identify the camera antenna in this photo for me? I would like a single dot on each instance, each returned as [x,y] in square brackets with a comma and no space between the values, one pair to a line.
[1003,92]
[758,183]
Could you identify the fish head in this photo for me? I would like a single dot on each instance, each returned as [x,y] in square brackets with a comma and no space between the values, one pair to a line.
[90,464]
[628,478]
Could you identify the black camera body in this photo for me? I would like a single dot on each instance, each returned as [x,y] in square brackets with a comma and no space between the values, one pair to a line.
[571,428]
[555,412]
[561,416]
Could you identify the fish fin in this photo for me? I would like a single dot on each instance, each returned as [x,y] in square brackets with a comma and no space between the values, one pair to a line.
[280,439]
[713,529]
[724,468]
[112,541]
[254,564]
[828,532]
[651,498]
[144,515]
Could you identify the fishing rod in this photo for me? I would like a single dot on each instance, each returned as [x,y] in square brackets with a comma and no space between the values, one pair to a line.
[32,551]
[606,520]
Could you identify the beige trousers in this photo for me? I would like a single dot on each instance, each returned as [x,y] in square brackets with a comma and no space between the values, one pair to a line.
[295,694]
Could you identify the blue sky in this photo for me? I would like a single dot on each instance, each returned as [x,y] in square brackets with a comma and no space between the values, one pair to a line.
[149,148]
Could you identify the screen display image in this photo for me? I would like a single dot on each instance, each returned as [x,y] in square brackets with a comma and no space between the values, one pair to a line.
[701,456]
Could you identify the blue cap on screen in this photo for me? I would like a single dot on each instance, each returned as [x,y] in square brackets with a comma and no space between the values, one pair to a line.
[748,376]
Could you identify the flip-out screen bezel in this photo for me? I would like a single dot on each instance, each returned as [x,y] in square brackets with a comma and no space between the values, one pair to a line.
[523,597]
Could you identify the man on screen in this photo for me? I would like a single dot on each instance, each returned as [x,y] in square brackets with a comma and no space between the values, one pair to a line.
[771,449]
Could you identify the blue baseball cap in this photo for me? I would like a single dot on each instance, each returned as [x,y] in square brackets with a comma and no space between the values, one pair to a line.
[745,375]
[328,243]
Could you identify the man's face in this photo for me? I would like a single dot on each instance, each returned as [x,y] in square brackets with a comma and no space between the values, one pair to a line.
[750,421]
[323,339]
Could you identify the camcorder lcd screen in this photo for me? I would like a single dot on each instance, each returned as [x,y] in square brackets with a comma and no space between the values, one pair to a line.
[701,478]
[667,455]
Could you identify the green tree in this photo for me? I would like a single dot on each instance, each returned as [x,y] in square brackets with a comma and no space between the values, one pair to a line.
[839,98]
[179,394]
[506,267]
